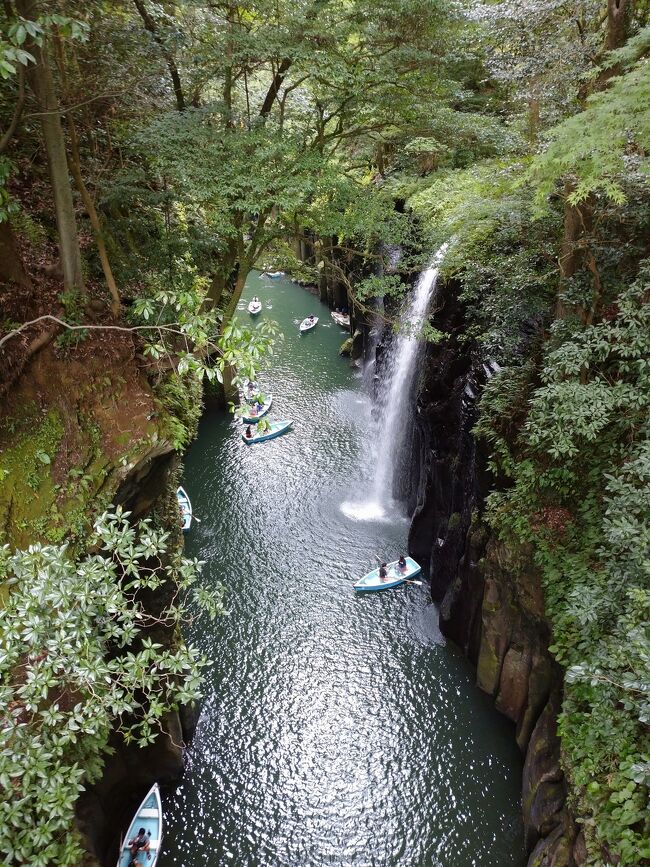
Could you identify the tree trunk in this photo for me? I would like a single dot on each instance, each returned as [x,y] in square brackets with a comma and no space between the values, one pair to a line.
[74,161]
[11,263]
[89,205]
[578,219]
[18,110]
[617,23]
[574,252]
[39,76]
[215,290]
[150,26]
[229,312]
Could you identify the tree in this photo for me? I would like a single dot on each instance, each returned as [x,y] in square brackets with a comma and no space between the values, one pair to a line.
[80,656]
[151,27]
[39,76]
[293,91]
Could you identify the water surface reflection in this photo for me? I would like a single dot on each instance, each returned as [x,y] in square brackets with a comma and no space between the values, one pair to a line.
[336,730]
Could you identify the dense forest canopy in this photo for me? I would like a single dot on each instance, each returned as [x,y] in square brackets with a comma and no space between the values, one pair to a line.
[153,153]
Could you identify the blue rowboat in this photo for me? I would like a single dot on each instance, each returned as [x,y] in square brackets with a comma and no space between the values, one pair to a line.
[251,416]
[186,508]
[275,429]
[308,323]
[149,817]
[394,577]
[275,275]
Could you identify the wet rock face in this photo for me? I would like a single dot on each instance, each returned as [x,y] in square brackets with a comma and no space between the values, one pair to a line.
[513,662]
[550,831]
[445,487]
[106,809]
[491,600]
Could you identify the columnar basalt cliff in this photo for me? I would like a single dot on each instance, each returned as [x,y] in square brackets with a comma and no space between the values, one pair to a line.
[490,598]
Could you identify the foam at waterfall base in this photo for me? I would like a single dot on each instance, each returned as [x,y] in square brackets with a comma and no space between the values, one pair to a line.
[371,510]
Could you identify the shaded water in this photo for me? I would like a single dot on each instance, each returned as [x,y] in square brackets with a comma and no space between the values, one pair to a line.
[336,730]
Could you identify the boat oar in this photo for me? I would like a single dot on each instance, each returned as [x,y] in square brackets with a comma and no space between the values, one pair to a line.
[194,518]
[410,581]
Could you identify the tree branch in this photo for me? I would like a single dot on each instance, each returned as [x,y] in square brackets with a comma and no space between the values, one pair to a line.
[18,110]
[276,84]
[150,26]
[129,329]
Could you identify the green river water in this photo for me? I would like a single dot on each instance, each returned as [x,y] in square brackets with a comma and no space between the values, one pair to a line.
[336,729]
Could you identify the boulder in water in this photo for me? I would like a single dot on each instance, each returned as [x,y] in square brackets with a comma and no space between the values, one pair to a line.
[346,348]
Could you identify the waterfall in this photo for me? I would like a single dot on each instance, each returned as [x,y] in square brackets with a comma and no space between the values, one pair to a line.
[394,397]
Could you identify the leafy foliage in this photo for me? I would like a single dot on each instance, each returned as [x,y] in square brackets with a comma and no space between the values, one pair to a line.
[187,336]
[214,136]
[503,261]
[608,139]
[79,657]
[580,492]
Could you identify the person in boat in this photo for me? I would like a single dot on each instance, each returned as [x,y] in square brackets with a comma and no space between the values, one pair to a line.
[248,433]
[139,843]
[401,564]
[383,572]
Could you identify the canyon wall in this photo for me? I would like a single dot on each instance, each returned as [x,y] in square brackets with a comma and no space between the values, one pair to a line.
[80,430]
[490,598]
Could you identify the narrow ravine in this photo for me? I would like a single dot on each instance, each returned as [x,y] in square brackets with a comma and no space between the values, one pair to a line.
[335,730]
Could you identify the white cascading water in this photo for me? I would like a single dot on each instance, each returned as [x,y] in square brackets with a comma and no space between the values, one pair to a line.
[398,379]
[395,393]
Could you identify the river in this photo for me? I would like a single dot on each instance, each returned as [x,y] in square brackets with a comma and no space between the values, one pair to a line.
[335,729]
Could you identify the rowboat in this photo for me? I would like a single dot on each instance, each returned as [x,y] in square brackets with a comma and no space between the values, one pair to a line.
[149,817]
[274,430]
[394,577]
[252,415]
[254,307]
[275,275]
[308,323]
[341,319]
[185,507]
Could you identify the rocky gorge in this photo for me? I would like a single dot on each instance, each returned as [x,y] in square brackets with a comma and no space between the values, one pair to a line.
[490,597]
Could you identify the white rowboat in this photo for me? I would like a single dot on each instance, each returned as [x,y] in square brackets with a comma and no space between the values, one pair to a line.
[308,323]
[186,508]
[341,319]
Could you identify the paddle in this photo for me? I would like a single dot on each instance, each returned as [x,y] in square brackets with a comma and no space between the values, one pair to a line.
[194,518]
